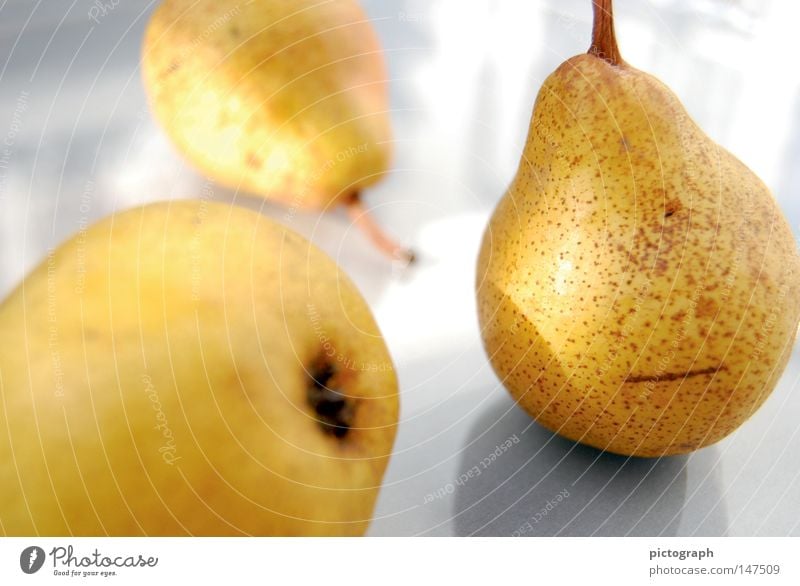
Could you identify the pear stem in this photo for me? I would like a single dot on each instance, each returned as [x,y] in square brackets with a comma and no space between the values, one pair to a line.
[361,217]
[604,41]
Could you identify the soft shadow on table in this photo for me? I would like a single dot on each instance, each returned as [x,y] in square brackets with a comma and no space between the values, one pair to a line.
[527,481]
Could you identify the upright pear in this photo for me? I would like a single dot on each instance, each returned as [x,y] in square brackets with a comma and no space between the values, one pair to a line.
[638,286]
[191,369]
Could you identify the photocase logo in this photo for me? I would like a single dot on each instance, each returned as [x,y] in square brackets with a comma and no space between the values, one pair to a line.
[31,559]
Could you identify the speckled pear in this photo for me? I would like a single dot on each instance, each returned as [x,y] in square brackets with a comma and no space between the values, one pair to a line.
[638,287]
[285,100]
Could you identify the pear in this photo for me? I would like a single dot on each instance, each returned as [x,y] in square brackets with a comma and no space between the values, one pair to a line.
[191,368]
[287,100]
[638,287]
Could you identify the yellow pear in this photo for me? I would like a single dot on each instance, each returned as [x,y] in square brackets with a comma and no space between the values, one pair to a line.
[638,286]
[191,368]
[287,100]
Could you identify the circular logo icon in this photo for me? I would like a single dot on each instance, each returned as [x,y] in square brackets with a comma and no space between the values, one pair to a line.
[31,559]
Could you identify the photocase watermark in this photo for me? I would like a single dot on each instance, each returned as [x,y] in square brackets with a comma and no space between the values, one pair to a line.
[85,206]
[568,23]
[31,559]
[330,351]
[403,16]
[68,563]
[200,39]
[674,347]
[100,9]
[341,157]
[195,249]
[7,146]
[474,472]
[528,526]
[168,451]
[740,249]
[627,328]
[769,322]
[52,325]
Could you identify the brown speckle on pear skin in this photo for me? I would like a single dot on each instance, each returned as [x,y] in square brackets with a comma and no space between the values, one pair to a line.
[253,161]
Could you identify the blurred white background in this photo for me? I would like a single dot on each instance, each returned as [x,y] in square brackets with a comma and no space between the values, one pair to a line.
[77,142]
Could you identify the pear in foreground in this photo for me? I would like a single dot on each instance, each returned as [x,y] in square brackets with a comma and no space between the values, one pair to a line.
[191,368]
[638,286]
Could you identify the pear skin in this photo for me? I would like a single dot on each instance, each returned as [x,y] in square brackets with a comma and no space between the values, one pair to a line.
[638,286]
[191,369]
[287,100]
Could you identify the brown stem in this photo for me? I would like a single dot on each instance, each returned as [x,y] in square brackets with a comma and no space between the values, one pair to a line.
[362,218]
[604,41]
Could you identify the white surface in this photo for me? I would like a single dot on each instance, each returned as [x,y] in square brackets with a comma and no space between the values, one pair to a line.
[464,79]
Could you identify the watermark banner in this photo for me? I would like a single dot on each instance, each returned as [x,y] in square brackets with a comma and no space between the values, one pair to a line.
[567,560]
